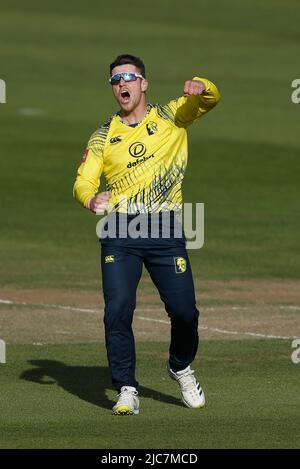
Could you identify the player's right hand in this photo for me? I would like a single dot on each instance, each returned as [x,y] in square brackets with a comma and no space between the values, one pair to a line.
[99,203]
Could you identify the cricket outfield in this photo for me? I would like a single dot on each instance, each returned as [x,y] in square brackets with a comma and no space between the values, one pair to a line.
[243,165]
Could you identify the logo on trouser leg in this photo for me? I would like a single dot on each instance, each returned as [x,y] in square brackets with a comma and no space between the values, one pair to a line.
[180,265]
[109,259]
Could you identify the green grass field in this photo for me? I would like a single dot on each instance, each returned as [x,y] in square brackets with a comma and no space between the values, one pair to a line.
[243,164]
[61,397]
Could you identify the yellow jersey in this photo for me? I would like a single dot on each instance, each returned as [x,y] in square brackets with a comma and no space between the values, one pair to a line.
[143,165]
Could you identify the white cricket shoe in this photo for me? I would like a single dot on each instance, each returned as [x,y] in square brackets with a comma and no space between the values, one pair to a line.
[191,392]
[128,402]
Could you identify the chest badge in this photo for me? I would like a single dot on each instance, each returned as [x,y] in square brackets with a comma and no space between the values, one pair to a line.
[151,127]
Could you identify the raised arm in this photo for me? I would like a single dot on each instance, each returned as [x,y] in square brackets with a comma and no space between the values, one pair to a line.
[199,96]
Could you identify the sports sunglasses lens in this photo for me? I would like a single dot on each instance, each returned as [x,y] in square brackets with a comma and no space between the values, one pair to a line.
[115,79]
[129,77]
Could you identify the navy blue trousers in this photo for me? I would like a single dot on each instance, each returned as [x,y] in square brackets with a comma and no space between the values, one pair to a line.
[169,267]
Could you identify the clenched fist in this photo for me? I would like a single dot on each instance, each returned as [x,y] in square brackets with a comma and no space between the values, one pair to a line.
[193,88]
[99,203]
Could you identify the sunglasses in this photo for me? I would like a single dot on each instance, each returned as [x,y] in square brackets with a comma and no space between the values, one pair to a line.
[126,76]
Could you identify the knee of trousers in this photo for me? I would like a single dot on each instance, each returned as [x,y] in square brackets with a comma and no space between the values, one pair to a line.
[182,311]
[118,313]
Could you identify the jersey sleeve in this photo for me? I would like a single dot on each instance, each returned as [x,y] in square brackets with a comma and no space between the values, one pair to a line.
[185,110]
[87,181]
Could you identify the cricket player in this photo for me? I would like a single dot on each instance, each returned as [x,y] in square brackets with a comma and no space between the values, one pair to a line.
[142,152]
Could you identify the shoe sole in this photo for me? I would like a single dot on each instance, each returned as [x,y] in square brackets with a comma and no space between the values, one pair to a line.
[193,407]
[125,410]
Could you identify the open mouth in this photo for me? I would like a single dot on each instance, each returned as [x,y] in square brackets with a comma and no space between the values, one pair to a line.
[125,94]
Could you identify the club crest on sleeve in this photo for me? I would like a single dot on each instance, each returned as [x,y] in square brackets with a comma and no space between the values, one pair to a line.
[180,265]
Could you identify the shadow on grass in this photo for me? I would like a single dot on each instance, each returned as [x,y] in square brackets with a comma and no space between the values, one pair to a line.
[89,383]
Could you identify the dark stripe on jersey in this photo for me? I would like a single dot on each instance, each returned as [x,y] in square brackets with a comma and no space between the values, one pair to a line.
[98,139]
[165,112]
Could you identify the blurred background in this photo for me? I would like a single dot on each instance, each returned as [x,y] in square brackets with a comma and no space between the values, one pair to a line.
[243,157]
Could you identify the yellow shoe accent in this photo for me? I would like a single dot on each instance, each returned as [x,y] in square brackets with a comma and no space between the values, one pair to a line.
[128,402]
[123,410]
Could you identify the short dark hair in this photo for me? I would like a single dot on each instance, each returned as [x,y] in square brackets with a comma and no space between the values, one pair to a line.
[125,59]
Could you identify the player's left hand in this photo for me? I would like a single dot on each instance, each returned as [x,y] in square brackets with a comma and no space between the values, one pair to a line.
[193,88]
